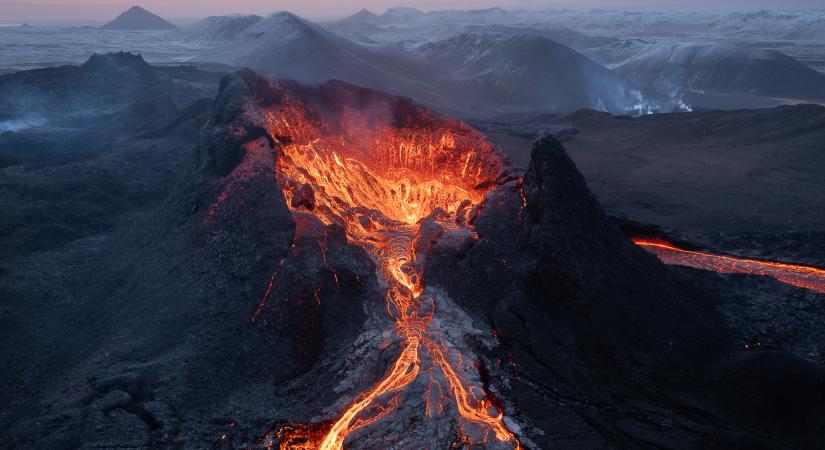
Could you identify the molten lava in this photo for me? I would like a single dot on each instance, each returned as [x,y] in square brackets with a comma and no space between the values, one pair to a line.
[380,176]
[795,274]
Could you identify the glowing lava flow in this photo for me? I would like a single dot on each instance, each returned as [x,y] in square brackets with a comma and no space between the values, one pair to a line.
[795,274]
[380,181]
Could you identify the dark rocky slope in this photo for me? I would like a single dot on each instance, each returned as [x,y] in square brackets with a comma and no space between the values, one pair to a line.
[92,143]
[589,333]
[747,182]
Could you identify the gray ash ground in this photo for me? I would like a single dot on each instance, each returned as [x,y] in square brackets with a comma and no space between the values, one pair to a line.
[131,327]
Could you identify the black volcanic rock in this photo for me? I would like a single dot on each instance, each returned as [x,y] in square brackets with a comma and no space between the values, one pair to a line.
[119,90]
[120,62]
[62,161]
[621,289]
[579,310]
[137,18]
[585,319]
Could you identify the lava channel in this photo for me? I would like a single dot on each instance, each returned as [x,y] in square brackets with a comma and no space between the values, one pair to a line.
[798,275]
[380,179]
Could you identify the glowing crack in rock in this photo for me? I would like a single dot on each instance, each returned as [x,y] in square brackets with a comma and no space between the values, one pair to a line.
[795,274]
[379,179]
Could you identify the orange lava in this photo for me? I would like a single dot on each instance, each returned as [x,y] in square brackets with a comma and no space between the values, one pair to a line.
[795,274]
[378,180]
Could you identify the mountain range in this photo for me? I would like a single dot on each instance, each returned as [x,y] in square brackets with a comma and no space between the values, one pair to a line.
[717,69]
[482,72]
[494,62]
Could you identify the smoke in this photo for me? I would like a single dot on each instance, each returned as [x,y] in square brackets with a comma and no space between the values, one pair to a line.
[613,94]
[15,125]
[637,104]
[683,106]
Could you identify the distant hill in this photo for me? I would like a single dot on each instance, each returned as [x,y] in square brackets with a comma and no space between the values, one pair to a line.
[494,71]
[723,69]
[529,72]
[137,18]
[217,30]
[283,45]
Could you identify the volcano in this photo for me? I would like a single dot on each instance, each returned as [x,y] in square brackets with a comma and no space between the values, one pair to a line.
[391,179]
[425,291]
[344,268]
[137,18]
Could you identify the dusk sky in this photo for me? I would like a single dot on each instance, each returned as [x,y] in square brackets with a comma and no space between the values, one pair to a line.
[97,11]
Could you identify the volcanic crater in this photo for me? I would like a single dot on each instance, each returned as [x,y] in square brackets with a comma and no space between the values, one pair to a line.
[423,269]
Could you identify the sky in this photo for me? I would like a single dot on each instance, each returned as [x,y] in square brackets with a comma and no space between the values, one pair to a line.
[93,12]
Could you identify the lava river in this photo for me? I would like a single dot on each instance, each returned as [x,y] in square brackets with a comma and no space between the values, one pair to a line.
[381,179]
[795,274]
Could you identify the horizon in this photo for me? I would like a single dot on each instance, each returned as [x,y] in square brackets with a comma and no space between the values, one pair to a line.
[92,12]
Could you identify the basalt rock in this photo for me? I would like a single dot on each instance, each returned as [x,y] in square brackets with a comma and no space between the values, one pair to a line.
[588,322]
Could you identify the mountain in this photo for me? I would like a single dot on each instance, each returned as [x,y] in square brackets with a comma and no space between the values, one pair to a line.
[399,24]
[529,72]
[137,18]
[362,16]
[560,34]
[216,30]
[795,33]
[283,45]
[617,52]
[723,69]
[64,131]
[791,25]
[760,24]
[407,15]
[490,72]
[400,14]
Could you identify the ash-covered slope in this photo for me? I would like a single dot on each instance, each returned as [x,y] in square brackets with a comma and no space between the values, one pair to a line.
[479,71]
[529,72]
[115,92]
[216,30]
[66,134]
[283,45]
[137,18]
[690,171]
[803,25]
[723,69]
[595,33]
[562,35]
[238,308]
[417,27]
